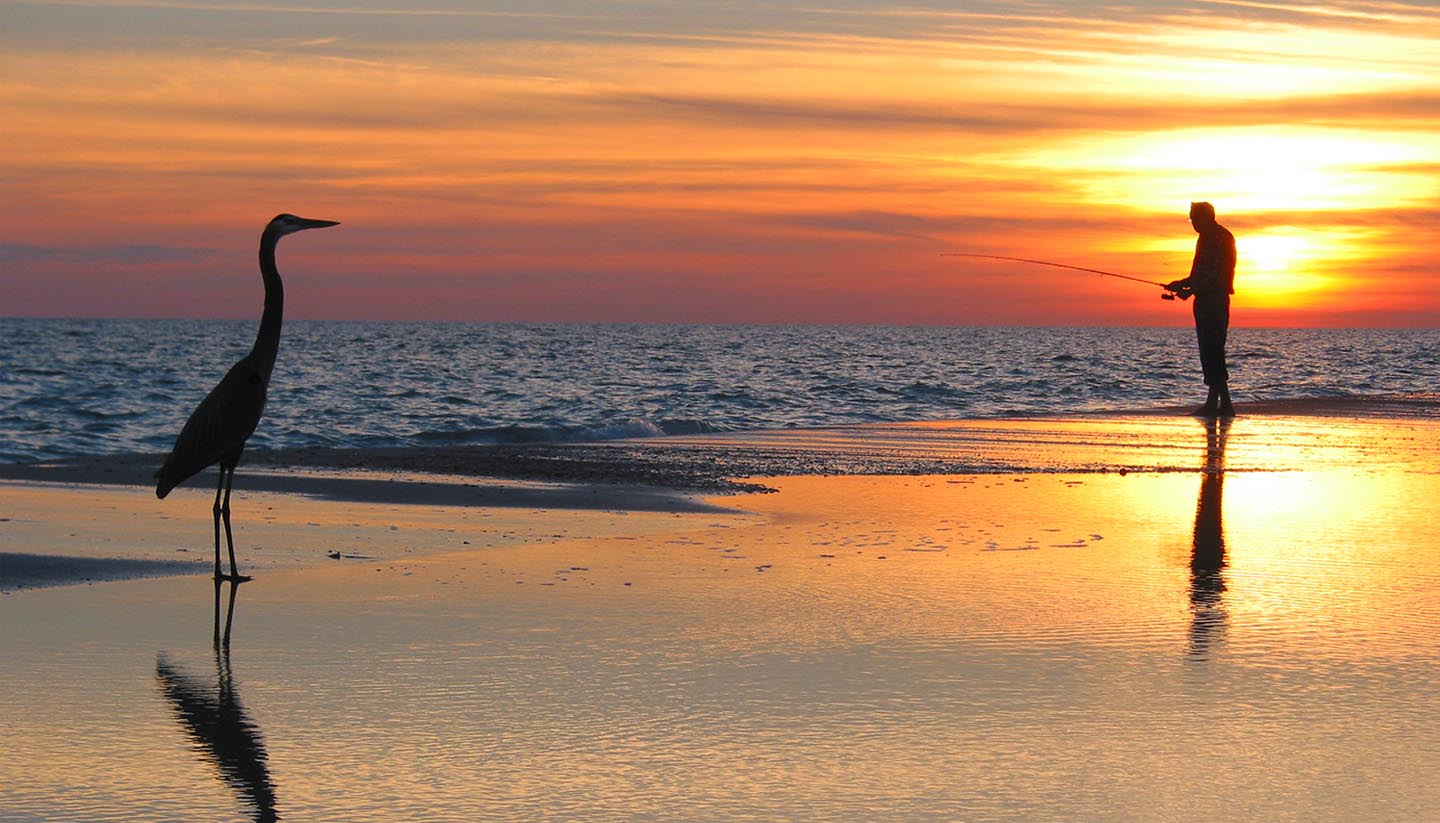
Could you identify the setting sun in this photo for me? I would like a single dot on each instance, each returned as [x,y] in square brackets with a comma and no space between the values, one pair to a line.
[1283,266]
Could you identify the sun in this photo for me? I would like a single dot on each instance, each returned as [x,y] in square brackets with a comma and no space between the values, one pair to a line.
[1294,267]
[1277,268]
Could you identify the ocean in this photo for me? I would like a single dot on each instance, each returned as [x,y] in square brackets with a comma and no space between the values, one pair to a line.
[80,387]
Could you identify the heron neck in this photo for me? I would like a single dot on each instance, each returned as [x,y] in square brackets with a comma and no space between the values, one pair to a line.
[267,342]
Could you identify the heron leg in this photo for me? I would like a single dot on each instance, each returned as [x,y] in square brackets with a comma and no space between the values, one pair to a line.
[234,575]
[219,487]
[229,615]
[222,642]
[216,622]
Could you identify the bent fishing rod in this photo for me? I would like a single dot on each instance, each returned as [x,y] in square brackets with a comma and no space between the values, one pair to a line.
[1168,295]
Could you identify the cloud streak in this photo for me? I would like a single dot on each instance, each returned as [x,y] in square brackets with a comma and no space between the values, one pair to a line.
[134,254]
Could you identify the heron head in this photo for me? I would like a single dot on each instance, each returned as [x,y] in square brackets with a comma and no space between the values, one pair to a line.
[284,224]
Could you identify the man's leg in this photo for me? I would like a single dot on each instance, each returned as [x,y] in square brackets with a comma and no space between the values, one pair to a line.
[1212,322]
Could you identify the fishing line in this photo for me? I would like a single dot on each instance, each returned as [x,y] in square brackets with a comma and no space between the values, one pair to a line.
[1056,265]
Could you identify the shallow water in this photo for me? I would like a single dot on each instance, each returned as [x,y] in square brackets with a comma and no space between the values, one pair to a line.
[1213,645]
[78,387]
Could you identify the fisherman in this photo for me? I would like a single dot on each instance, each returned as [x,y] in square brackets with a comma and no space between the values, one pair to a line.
[1211,282]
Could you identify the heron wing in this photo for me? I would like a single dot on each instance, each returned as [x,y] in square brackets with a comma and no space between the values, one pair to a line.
[218,428]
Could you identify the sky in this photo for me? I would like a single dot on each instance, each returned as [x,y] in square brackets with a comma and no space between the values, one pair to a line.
[718,162]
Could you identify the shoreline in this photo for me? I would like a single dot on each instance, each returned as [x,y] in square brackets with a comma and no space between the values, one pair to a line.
[668,473]
[539,485]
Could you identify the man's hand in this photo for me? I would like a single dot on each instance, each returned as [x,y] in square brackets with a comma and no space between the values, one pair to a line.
[1181,289]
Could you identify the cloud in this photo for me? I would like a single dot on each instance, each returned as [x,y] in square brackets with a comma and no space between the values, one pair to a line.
[1419,110]
[794,23]
[136,254]
[945,227]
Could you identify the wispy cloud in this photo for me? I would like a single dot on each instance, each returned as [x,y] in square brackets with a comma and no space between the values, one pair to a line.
[135,254]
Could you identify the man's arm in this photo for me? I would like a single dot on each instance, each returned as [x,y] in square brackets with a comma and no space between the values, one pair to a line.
[1200,269]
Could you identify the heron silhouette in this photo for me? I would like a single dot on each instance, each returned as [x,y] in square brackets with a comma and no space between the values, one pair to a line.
[218,428]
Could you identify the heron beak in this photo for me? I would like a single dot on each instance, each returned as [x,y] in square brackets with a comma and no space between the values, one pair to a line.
[307,223]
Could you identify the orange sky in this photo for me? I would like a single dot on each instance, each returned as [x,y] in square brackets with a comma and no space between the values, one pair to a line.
[718,162]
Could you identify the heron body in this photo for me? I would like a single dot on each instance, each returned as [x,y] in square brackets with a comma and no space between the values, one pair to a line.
[219,427]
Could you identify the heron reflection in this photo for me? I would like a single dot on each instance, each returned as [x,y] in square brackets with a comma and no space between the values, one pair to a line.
[1208,617]
[215,719]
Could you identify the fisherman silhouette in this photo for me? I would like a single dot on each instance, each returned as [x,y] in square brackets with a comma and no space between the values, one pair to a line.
[1211,282]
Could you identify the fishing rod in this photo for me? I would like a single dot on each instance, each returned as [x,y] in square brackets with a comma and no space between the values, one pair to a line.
[1168,295]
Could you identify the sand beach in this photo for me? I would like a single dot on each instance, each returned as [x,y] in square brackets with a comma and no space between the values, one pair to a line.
[1139,618]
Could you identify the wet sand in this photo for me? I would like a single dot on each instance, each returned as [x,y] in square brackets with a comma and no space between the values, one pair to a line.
[1120,619]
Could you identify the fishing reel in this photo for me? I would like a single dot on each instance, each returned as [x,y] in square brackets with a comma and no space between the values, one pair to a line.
[1182,293]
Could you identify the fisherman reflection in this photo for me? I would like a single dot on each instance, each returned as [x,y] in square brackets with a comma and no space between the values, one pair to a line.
[1207,554]
[217,722]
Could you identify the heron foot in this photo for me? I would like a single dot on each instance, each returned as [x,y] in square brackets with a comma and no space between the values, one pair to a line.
[234,578]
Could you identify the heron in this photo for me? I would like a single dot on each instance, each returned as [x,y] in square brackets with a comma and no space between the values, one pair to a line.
[218,428]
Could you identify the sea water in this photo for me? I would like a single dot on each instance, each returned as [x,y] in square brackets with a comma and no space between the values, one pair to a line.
[73,387]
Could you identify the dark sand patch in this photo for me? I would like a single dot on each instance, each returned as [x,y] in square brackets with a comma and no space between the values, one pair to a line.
[389,476]
[34,571]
